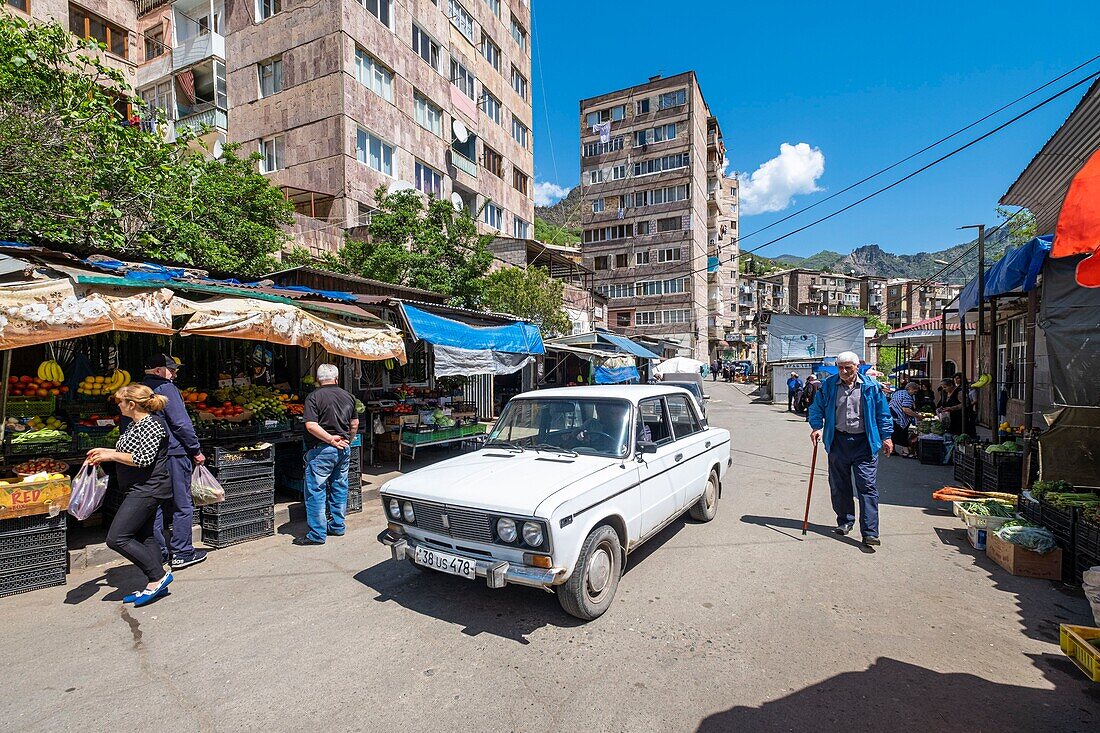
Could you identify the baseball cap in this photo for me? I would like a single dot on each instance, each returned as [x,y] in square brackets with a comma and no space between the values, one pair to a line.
[163,360]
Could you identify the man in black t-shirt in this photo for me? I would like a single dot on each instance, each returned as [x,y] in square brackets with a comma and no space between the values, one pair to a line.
[331,425]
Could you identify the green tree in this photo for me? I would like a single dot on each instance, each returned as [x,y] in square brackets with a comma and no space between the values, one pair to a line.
[77,174]
[872,320]
[552,234]
[530,294]
[427,245]
[1021,228]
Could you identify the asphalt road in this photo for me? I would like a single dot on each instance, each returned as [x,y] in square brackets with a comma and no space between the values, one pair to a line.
[741,625]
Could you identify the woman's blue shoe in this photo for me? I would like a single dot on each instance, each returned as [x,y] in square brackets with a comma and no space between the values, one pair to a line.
[134,596]
[150,596]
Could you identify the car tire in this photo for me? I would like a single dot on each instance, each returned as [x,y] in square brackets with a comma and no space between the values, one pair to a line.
[707,506]
[591,588]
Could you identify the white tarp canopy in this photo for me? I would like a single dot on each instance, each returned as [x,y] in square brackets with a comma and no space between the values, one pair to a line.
[678,365]
[810,338]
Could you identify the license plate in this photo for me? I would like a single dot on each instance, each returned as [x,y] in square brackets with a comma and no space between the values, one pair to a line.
[445,563]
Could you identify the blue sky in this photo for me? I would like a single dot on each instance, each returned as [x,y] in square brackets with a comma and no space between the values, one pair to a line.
[861,84]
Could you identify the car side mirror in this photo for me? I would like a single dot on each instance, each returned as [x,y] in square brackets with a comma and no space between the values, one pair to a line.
[646,446]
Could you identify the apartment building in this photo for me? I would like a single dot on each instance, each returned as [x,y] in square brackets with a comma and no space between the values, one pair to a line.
[651,158]
[756,295]
[723,260]
[910,302]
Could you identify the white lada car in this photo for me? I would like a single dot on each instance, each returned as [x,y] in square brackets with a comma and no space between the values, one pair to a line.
[568,484]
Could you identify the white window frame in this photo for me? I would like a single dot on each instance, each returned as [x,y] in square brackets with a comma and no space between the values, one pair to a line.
[597,148]
[669,254]
[370,72]
[364,140]
[491,51]
[519,83]
[597,205]
[595,176]
[380,9]
[267,8]
[641,257]
[520,130]
[428,180]
[618,172]
[494,5]
[521,229]
[519,34]
[645,318]
[493,106]
[463,78]
[493,215]
[270,70]
[668,100]
[422,42]
[427,115]
[461,19]
[272,153]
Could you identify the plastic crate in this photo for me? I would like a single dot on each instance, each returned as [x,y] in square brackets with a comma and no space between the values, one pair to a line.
[293,484]
[355,501]
[33,556]
[275,427]
[1074,641]
[1060,522]
[32,540]
[82,410]
[244,471]
[1086,535]
[32,524]
[930,452]
[241,487]
[967,468]
[241,502]
[232,519]
[982,521]
[235,430]
[1001,471]
[29,579]
[204,430]
[87,441]
[253,530]
[31,407]
[222,456]
[1029,508]
[36,449]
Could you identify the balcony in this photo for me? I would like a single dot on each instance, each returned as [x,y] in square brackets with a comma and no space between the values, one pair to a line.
[203,115]
[196,49]
[464,164]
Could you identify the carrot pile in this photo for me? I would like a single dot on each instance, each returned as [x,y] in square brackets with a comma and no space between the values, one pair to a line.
[954,493]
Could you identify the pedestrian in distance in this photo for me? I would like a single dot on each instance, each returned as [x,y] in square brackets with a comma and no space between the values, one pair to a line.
[715,369]
[813,385]
[851,416]
[903,411]
[794,385]
[331,424]
[144,475]
[184,453]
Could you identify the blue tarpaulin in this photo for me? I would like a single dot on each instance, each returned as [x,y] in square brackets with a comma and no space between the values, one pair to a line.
[1016,272]
[616,375]
[515,338]
[627,345]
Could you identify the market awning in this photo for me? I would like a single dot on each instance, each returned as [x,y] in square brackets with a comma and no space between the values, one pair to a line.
[627,345]
[515,338]
[608,367]
[1016,272]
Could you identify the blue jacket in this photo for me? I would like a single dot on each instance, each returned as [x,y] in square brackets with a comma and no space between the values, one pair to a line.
[181,433]
[877,421]
[793,384]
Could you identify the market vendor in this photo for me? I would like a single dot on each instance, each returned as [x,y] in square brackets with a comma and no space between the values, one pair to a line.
[184,452]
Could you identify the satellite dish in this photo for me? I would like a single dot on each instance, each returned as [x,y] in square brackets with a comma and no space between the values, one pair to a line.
[219,149]
[457,202]
[460,131]
[400,186]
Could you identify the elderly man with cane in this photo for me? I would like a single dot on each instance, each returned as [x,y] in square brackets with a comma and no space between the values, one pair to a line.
[851,413]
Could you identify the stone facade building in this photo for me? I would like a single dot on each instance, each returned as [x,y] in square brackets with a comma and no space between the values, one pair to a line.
[909,302]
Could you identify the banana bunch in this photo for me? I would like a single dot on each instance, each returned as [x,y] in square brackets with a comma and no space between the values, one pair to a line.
[116,380]
[981,381]
[50,371]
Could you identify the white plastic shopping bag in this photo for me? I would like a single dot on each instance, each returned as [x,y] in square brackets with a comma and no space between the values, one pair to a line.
[89,487]
[205,489]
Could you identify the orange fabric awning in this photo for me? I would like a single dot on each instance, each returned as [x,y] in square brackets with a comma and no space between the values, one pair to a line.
[1078,230]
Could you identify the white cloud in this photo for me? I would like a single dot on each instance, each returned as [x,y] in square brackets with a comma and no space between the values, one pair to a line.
[773,186]
[547,194]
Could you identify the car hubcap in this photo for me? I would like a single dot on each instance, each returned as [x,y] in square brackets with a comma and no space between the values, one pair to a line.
[599,571]
[711,493]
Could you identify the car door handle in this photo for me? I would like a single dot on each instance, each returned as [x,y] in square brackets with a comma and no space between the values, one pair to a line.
[708,443]
[679,457]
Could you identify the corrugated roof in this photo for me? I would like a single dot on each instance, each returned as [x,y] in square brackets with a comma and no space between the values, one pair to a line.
[1042,186]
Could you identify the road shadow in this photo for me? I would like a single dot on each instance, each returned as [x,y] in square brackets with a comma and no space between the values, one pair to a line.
[901,698]
[512,612]
[121,581]
[792,528]
[654,543]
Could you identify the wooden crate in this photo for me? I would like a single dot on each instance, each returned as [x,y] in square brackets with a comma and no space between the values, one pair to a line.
[1022,561]
[26,498]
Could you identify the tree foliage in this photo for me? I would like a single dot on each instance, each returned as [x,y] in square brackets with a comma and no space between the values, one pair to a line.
[78,174]
[871,319]
[1021,228]
[530,294]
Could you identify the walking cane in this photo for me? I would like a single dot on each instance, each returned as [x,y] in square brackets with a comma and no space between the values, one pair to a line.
[810,491]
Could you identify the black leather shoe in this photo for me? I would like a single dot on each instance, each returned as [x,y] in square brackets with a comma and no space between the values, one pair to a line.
[844,529]
[305,542]
[872,541]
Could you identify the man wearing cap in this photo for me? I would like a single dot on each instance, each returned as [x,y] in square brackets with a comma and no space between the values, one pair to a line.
[851,413]
[794,386]
[183,452]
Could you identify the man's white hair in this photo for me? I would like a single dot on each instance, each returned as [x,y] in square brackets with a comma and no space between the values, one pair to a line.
[327,373]
[844,357]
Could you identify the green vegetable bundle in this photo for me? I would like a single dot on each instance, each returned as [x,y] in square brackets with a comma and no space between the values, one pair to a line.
[46,435]
[1043,487]
[1037,539]
[1065,501]
[1009,447]
[988,508]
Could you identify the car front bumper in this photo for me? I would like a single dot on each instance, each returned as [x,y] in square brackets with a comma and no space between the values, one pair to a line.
[497,573]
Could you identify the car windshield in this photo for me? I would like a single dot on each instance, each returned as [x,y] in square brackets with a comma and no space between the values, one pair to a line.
[591,427]
[690,387]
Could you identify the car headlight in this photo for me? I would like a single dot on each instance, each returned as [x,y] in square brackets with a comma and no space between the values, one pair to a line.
[506,529]
[410,517]
[532,534]
[395,509]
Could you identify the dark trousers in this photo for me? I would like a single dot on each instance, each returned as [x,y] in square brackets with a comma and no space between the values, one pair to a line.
[131,535]
[180,509]
[790,400]
[851,454]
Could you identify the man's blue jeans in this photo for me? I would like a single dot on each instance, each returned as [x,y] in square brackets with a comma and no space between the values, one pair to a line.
[851,454]
[326,486]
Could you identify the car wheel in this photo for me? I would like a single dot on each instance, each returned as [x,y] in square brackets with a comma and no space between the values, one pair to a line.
[707,506]
[591,588]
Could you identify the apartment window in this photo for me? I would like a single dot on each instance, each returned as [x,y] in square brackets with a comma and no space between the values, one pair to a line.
[617,291]
[519,33]
[658,134]
[461,19]
[427,114]
[519,83]
[521,229]
[271,154]
[622,318]
[600,263]
[379,9]
[676,316]
[494,5]
[611,114]
[618,172]
[641,228]
[373,75]
[490,51]
[641,107]
[668,255]
[429,180]
[267,8]
[649,287]
[492,161]
[641,258]
[463,78]
[645,318]
[374,152]
[492,105]
[520,181]
[520,133]
[423,44]
[23,5]
[622,260]
[666,195]
[154,42]
[597,206]
[271,76]
[595,176]
[669,224]
[88,25]
[664,163]
[676,285]
[493,215]
[598,148]
[603,234]
[677,98]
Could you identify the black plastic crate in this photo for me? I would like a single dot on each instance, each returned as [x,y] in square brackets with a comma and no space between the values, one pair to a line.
[1060,522]
[12,561]
[1083,561]
[232,519]
[45,576]
[241,487]
[1086,535]
[355,501]
[1029,509]
[31,524]
[968,469]
[1001,471]
[253,530]
[242,501]
[243,471]
[930,452]
[33,540]
[36,449]
[222,457]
